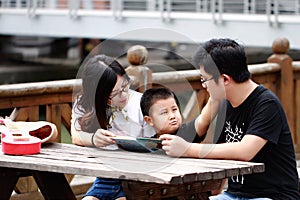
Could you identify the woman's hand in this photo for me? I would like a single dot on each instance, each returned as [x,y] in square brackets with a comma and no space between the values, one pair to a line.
[101,138]
[174,145]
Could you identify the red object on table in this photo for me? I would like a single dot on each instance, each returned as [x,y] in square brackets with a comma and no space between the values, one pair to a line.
[16,142]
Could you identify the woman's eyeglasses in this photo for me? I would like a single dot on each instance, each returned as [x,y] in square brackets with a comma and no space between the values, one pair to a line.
[124,88]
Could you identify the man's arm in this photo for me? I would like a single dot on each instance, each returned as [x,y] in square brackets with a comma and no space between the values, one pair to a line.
[244,150]
[206,116]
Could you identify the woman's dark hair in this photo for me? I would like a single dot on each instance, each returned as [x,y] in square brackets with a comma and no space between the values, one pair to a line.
[99,77]
[152,95]
[223,56]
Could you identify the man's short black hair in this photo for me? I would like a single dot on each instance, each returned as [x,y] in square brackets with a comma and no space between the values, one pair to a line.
[223,56]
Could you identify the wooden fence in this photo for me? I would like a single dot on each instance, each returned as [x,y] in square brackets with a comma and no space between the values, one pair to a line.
[280,74]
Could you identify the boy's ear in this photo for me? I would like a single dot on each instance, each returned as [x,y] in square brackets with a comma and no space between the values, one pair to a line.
[148,120]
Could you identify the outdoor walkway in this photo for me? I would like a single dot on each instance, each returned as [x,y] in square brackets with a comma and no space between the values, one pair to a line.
[255,23]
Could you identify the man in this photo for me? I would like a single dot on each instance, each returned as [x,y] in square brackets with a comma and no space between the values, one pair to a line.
[251,127]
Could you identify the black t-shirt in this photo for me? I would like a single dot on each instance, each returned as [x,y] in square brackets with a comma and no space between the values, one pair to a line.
[188,132]
[261,114]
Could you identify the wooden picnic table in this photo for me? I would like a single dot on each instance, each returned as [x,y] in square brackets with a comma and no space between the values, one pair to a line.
[144,175]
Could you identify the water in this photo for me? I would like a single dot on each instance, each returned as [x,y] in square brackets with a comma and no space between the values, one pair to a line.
[15,69]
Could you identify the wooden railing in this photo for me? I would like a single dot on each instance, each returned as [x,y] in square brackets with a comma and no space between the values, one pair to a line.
[280,74]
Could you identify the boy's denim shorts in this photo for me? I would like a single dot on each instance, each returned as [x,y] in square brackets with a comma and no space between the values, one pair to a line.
[106,189]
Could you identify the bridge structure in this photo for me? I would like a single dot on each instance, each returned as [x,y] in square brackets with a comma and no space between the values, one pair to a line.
[252,22]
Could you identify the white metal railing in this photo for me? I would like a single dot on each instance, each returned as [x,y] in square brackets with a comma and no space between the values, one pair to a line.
[255,22]
[216,8]
[231,6]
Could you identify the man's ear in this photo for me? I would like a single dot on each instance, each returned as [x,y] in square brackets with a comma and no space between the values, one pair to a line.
[226,78]
[148,120]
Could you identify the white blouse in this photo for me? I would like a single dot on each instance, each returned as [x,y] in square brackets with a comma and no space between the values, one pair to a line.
[128,121]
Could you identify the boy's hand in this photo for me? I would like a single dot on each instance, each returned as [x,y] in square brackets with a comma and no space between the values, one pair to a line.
[174,145]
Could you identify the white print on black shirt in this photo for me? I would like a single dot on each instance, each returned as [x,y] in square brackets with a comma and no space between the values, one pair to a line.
[235,135]
[238,179]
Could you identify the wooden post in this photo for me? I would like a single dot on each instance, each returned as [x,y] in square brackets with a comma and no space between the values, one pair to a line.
[137,56]
[285,93]
[53,115]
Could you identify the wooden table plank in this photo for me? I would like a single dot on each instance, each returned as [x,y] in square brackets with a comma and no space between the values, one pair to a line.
[147,167]
[68,167]
[223,164]
[177,168]
[244,168]
[172,174]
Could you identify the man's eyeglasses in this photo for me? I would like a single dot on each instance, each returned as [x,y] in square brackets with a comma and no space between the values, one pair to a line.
[202,80]
[124,88]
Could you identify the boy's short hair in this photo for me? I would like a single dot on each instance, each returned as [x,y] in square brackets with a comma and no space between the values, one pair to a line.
[152,95]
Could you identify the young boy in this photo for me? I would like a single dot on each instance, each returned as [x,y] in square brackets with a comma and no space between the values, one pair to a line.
[161,111]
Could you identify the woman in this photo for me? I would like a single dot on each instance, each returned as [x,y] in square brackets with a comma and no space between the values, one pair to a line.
[106,107]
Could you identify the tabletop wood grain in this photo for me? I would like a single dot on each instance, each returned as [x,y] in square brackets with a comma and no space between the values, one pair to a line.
[145,167]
